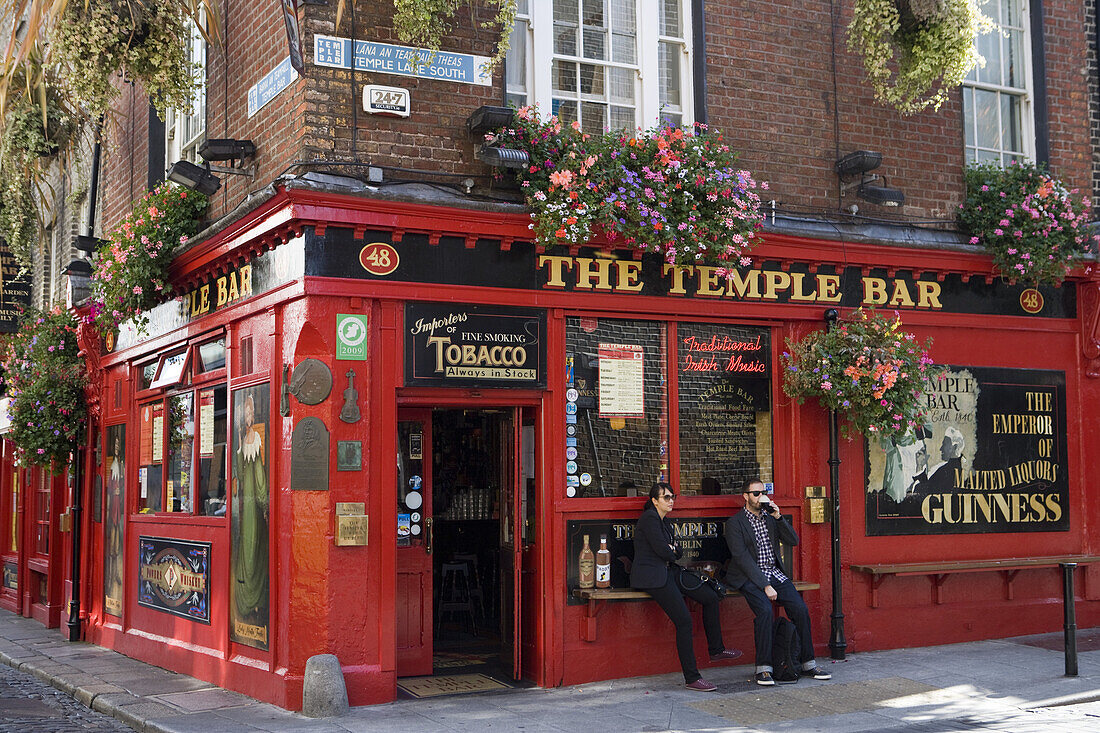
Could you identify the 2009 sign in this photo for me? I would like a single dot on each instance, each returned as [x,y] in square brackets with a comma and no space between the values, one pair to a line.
[379,258]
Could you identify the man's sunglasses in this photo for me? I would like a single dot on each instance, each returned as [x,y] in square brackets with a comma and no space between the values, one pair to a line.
[756,493]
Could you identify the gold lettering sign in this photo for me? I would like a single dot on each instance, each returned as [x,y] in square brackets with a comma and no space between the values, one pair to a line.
[351,531]
[350,508]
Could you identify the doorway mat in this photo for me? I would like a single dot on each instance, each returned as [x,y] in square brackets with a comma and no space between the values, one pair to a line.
[445,660]
[454,684]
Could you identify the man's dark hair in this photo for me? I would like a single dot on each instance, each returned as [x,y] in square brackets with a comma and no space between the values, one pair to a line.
[747,486]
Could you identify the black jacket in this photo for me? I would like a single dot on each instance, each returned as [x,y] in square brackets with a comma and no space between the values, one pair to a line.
[652,554]
[743,566]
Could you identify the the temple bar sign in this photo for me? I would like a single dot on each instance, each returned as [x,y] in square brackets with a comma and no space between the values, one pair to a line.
[474,346]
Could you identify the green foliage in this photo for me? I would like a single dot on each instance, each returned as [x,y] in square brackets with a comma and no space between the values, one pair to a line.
[663,190]
[867,369]
[146,39]
[45,378]
[131,267]
[1030,224]
[424,23]
[913,63]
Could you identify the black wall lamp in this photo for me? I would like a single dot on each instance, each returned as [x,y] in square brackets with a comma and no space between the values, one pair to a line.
[202,178]
[861,163]
[78,282]
[486,119]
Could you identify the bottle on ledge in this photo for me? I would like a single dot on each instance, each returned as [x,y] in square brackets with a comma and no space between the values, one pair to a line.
[603,564]
[587,571]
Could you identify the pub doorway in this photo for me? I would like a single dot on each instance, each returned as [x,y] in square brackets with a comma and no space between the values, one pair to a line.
[465,493]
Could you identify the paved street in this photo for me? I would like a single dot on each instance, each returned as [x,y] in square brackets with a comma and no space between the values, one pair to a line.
[1003,685]
[28,705]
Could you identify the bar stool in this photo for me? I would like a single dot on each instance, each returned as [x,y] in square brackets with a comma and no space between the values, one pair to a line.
[454,594]
[475,583]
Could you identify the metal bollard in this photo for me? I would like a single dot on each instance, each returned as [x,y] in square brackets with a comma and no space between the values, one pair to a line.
[1070,614]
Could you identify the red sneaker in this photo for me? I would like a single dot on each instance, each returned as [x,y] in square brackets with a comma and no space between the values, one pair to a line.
[701,685]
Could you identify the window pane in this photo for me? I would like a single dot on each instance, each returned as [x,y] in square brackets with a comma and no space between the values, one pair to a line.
[565,40]
[592,80]
[593,118]
[622,85]
[213,435]
[622,118]
[171,370]
[670,18]
[985,109]
[594,14]
[521,7]
[1011,137]
[181,451]
[148,372]
[672,120]
[724,380]
[620,421]
[515,64]
[668,66]
[564,74]
[211,356]
[1013,59]
[968,109]
[595,44]
[624,49]
[114,467]
[989,46]
[151,453]
[565,110]
[566,10]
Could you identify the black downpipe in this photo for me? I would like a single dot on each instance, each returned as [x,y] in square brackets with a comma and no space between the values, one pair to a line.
[699,61]
[93,184]
[76,513]
[837,642]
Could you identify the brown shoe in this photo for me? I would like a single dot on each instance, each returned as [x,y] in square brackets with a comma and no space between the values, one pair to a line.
[725,655]
[701,685]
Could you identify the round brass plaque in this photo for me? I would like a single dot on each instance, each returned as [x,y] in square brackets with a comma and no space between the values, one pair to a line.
[311,382]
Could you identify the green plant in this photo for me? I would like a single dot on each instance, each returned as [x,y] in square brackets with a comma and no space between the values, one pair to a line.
[864,367]
[664,190]
[146,39]
[916,51]
[131,270]
[45,380]
[1029,222]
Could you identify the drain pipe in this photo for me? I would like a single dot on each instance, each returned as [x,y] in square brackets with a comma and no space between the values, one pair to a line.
[77,468]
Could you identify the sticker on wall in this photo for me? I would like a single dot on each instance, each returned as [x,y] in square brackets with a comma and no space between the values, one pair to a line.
[415,529]
[351,337]
[570,408]
[571,394]
[570,466]
[571,453]
[404,524]
[570,492]
[586,479]
[414,499]
[572,481]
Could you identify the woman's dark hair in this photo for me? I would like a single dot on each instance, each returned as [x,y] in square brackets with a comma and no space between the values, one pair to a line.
[655,492]
[747,486]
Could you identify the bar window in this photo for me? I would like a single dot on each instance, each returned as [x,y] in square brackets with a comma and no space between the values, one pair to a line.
[617,406]
[724,393]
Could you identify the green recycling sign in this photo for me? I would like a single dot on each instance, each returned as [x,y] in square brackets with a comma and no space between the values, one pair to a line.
[351,337]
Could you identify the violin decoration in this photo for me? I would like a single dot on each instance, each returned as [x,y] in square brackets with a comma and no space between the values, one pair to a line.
[350,411]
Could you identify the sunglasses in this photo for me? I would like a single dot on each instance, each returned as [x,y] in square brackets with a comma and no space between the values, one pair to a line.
[668,497]
[756,493]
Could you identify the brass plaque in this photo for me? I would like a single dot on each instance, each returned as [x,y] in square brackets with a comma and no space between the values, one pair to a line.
[817,510]
[309,456]
[815,492]
[351,530]
[311,382]
[350,508]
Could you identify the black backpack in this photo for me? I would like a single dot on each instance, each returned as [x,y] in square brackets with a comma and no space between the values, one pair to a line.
[785,646]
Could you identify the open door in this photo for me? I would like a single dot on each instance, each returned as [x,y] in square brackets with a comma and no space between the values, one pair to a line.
[511,542]
[414,625]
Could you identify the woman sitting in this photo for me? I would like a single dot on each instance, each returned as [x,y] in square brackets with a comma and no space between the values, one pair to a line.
[655,571]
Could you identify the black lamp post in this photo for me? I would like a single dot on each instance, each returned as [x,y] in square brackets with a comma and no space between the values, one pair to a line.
[837,642]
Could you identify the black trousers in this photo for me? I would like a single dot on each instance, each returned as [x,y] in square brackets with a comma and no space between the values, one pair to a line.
[764,623]
[670,597]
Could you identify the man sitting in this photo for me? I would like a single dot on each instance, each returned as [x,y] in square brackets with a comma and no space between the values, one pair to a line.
[756,569]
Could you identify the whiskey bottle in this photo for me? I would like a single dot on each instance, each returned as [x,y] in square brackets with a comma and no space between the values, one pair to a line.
[586,575]
[603,564]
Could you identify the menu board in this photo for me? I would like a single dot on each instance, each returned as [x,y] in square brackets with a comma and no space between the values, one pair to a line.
[621,385]
[724,379]
[206,422]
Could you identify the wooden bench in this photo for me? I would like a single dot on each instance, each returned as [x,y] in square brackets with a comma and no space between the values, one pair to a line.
[596,596]
[937,572]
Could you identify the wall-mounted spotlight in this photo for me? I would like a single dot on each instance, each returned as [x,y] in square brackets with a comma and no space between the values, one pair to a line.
[217,149]
[194,177]
[86,244]
[502,157]
[488,118]
[861,163]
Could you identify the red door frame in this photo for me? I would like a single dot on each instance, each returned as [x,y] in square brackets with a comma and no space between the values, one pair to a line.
[414,567]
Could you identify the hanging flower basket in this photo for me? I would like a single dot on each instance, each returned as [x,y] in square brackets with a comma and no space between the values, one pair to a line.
[664,190]
[45,380]
[916,51]
[867,369]
[131,269]
[1030,223]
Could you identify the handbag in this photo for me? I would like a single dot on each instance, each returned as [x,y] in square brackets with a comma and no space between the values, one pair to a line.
[694,580]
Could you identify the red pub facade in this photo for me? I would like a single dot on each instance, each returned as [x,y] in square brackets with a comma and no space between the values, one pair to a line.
[379,422]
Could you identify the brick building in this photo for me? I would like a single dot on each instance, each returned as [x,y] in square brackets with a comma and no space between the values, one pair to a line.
[332,488]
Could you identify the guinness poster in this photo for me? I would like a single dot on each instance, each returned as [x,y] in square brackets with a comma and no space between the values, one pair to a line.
[174,577]
[474,346]
[991,458]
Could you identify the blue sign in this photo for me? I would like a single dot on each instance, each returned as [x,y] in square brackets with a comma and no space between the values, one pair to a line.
[269,87]
[385,58]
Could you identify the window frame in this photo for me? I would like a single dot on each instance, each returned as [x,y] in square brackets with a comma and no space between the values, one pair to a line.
[540,55]
[192,383]
[1026,95]
[185,131]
